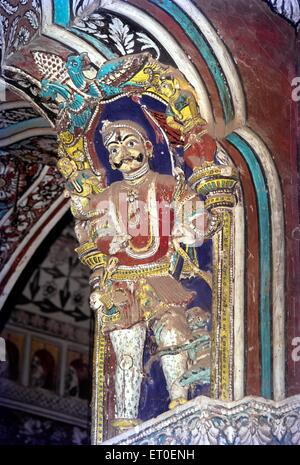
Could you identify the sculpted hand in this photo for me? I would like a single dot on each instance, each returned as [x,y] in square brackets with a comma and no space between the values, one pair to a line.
[95,300]
[101,300]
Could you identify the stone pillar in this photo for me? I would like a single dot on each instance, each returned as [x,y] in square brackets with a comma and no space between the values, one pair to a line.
[218,185]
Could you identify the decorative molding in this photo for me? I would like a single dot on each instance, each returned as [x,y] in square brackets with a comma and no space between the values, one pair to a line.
[28,133]
[278,257]
[224,57]
[41,402]
[204,421]
[28,87]
[50,326]
[15,105]
[239,297]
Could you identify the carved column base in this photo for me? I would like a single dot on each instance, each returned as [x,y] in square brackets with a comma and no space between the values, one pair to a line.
[205,421]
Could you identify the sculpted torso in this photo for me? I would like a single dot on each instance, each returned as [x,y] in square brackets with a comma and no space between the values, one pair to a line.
[135,221]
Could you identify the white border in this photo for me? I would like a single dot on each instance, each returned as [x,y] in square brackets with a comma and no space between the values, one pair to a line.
[223,57]
[278,259]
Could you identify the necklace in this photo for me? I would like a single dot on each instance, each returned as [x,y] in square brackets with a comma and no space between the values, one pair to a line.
[137,175]
[153,243]
[134,212]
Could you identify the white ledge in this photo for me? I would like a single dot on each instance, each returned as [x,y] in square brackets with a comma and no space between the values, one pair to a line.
[204,421]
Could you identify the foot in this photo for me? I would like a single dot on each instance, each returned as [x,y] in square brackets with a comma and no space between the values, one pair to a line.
[125,423]
[179,401]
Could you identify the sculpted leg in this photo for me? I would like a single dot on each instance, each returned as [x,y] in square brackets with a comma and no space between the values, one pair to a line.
[128,345]
[174,366]
[170,332]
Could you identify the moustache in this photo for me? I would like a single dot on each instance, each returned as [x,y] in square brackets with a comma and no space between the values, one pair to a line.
[139,158]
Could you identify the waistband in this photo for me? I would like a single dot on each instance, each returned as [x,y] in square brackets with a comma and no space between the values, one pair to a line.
[132,273]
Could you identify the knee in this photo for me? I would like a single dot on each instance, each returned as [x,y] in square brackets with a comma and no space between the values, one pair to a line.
[125,362]
[171,330]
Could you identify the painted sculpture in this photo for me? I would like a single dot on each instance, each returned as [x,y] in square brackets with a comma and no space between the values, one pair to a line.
[133,226]
[150,190]
[203,118]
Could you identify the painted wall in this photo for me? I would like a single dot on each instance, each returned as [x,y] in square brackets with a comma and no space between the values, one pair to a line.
[264,47]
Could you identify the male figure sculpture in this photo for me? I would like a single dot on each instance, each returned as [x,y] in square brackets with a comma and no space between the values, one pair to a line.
[138,225]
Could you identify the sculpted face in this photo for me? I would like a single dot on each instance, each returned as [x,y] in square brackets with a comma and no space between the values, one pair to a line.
[66,167]
[128,151]
[167,87]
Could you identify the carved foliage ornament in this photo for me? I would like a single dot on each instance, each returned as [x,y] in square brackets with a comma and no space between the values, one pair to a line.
[289,9]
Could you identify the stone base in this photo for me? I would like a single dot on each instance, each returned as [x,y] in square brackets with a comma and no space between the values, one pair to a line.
[204,421]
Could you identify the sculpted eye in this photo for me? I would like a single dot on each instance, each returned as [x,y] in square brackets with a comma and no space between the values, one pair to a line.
[114,150]
[131,143]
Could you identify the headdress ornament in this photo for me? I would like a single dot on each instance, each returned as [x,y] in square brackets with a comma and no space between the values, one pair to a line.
[109,127]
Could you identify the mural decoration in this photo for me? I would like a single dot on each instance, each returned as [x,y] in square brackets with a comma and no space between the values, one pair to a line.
[19,24]
[10,369]
[118,35]
[53,290]
[47,369]
[43,366]
[77,377]
[16,115]
[29,86]
[20,164]
[289,9]
[26,319]
[33,150]
[31,206]
[15,178]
